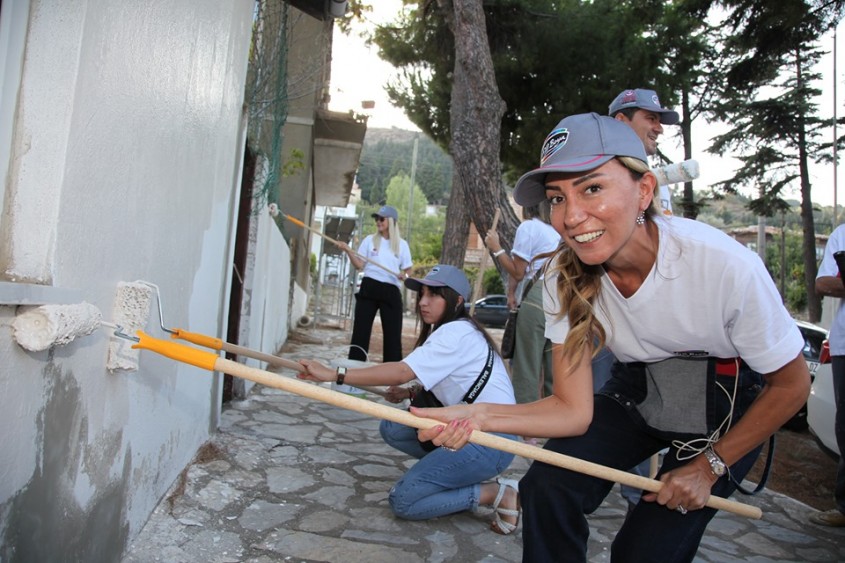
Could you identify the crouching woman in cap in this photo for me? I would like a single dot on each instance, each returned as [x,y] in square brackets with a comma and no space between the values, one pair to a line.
[456,361]
[686,310]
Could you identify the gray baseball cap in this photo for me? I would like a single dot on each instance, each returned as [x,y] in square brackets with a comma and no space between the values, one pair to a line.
[579,143]
[442,275]
[643,99]
[387,211]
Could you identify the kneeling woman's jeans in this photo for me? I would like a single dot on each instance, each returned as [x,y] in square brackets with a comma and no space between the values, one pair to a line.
[441,482]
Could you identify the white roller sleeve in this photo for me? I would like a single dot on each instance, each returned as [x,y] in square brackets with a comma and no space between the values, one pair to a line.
[676,173]
[130,311]
[41,327]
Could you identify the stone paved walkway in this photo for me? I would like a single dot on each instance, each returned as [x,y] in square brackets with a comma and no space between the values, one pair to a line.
[290,479]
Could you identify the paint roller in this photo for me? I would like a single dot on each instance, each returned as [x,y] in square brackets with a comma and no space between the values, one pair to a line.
[219,344]
[676,173]
[299,223]
[213,362]
[38,328]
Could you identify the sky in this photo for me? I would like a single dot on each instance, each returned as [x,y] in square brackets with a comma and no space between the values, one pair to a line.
[359,75]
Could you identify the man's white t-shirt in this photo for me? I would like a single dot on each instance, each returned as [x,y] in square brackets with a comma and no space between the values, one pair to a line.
[828,267]
[386,258]
[451,359]
[534,237]
[665,199]
[706,295]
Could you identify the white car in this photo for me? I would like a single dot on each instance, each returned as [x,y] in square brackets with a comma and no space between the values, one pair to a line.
[821,405]
[814,338]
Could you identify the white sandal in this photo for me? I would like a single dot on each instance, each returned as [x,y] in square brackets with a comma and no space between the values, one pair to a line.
[498,525]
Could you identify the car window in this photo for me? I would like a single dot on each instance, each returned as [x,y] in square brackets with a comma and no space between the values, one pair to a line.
[499,301]
[812,343]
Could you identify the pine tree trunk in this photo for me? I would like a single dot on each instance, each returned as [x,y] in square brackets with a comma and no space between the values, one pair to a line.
[476,116]
[814,304]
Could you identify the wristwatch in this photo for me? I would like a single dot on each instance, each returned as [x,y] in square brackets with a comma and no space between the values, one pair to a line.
[341,374]
[717,466]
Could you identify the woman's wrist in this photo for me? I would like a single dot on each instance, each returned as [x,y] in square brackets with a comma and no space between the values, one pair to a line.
[497,253]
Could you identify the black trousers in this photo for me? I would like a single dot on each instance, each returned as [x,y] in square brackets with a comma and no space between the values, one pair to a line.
[384,298]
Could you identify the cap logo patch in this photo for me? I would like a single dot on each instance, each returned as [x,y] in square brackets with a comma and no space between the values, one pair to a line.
[655,101]
[629,96]
[554,142]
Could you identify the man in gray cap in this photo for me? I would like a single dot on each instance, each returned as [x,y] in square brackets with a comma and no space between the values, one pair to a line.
[641,110]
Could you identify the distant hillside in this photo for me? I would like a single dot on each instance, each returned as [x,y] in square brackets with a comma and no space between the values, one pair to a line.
[389,152]
[392,135]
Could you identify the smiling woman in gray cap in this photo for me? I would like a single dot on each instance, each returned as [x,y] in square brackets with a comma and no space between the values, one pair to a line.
[686,310]
[456,361]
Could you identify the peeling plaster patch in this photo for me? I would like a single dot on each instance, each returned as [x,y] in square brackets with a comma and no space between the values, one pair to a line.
[44,522]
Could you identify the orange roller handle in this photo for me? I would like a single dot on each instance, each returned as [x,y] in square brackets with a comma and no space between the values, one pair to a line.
[175,351]
[198,339]
[294,220]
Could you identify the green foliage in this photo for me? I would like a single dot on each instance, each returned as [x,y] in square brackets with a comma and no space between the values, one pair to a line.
[492,282]
[551,58]
[294,164]
[387,153]
[789,280]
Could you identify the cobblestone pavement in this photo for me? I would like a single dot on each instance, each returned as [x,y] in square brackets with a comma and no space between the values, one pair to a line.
[291,479]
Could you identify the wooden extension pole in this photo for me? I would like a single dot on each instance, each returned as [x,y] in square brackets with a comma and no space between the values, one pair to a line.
[213,362]
[218,344]
[299,223]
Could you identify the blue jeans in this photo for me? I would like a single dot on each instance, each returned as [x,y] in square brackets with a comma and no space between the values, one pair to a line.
[555,500]
[838,373]
[441,482]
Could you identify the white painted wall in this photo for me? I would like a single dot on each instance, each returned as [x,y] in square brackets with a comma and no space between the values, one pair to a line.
[264,313]
[124,165]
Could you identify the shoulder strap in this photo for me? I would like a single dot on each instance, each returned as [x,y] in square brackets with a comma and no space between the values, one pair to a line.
[482,379]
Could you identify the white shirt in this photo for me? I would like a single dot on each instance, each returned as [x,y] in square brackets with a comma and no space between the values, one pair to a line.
[386,258]
[665,199]
[532,238]
[451,359]
[828,267]
[706,294]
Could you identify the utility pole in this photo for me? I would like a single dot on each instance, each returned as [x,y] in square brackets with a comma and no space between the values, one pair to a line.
[835,160]
[411,203]
[411,190]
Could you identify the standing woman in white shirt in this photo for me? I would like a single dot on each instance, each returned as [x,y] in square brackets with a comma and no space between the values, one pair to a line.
[531,365]
[380,291]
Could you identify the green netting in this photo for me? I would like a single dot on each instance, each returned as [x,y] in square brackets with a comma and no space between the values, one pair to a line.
[266,95]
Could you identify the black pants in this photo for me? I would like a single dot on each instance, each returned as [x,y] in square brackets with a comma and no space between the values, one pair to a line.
[555,500]
[387,300]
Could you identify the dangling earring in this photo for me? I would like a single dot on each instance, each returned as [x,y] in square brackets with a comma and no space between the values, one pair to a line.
[641,218]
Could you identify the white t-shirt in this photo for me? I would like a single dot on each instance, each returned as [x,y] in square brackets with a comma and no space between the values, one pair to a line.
[450,361]
[828,267]
[386,258]
[532,238]
[706,294]
[665,199]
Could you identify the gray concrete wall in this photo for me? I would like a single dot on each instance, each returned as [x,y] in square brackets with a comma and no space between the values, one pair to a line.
[124,164]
